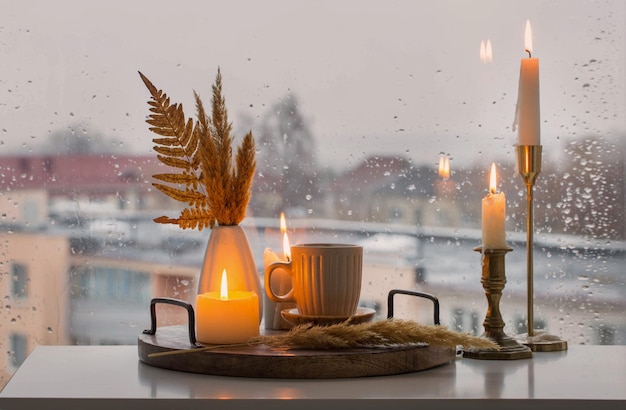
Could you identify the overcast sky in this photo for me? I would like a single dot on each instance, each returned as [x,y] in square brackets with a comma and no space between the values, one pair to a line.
[370,76]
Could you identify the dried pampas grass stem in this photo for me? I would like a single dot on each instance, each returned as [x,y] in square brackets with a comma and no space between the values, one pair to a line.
[382,333]
[378,334]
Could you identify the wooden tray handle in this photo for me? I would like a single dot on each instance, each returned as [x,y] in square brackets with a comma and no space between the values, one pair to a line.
[434,299]
[176,302]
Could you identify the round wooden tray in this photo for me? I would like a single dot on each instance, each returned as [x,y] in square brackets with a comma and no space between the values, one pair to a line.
[266,362]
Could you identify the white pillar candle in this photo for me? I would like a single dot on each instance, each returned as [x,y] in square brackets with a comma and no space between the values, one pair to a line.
[494,216]
[227,317]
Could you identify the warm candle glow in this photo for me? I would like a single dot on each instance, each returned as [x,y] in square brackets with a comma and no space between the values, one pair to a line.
[492,179]
[444,167]
[226,317]
[224,286]
[486,52]
[494,216]
[528,38]
[286,245]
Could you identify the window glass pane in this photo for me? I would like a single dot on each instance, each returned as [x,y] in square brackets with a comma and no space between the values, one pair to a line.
[19,278]
[352,104]
[18,343]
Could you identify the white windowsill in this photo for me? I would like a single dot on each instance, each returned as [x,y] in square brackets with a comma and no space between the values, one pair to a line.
[95,377]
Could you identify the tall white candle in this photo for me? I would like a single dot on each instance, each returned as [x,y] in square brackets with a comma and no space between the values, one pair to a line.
[494,216]
[527,113]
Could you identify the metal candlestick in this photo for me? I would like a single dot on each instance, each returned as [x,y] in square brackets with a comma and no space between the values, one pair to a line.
[493,280]
[529,165]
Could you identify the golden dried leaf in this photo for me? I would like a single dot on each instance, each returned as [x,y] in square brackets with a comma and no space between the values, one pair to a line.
[166,141]
[196,218]
[218,190]
[165,220]
[170,151]
[175,162]
[181,179]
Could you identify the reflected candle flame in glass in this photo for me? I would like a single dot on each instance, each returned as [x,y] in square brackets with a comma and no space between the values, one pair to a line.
[444,167]
[486,52]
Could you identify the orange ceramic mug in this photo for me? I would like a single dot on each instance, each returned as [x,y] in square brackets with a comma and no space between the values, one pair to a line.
[326,279]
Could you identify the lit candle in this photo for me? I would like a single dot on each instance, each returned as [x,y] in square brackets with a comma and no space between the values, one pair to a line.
[527,111]
[227,316]
[486,52]
[445,187]
[444,167]
[494,216]
[281,282]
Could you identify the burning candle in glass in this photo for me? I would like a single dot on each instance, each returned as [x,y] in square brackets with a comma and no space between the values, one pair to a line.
[227,316]
[494,216]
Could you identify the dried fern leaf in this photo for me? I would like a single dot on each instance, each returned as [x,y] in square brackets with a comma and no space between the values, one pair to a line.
[168,141]
[153,90]
[217,189]
[177,152]
[182,179]
[175,162]
[194,143]
[163,131]
[165,220]
[196,218]
[169,120]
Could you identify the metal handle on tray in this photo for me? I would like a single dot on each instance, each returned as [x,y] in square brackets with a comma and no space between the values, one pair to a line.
[434,299]
[176,302]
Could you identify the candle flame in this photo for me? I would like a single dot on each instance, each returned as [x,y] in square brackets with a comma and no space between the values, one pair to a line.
[528,38]
[492,179]
[224,288]
[283,229]
[444,167]
[486,52]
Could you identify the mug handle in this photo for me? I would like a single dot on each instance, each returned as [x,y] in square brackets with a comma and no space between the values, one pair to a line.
[269,270]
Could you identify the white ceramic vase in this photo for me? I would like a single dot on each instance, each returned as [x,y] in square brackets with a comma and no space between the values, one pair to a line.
[228,248]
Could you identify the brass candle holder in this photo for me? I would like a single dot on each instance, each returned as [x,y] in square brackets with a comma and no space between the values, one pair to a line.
[493,280]
[529,165]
